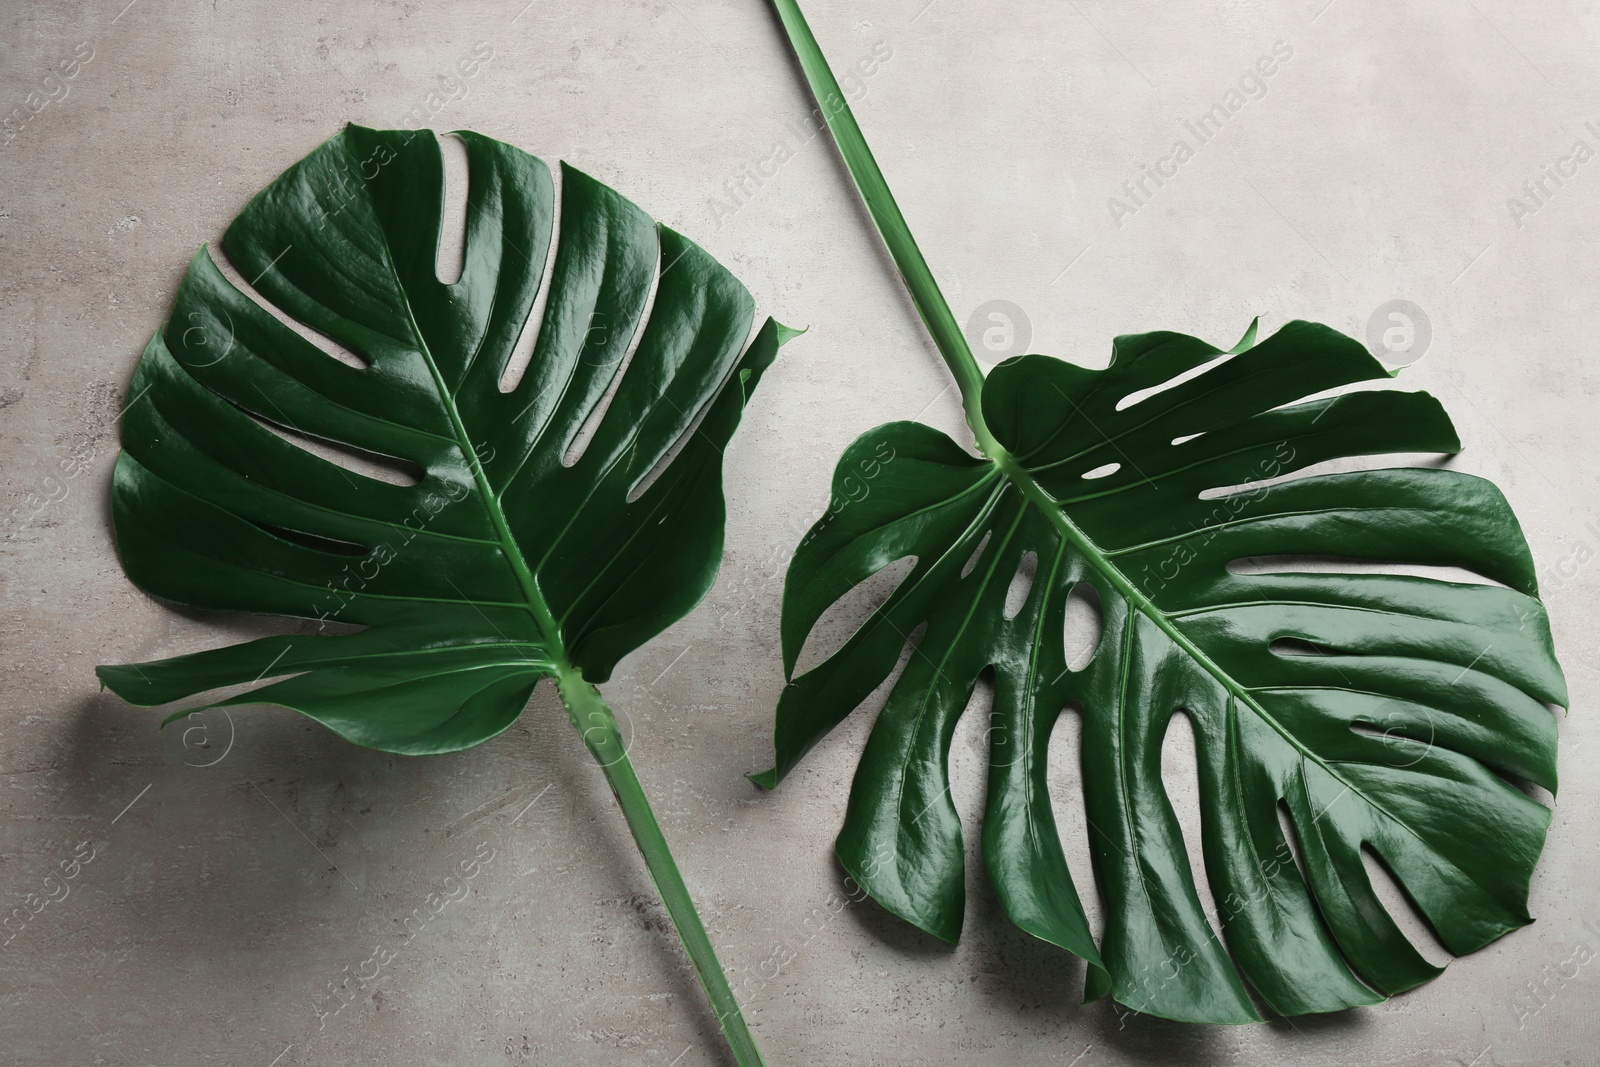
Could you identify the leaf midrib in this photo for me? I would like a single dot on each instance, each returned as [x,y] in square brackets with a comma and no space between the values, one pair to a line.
[1054,511]
[535,603]
[1056,514]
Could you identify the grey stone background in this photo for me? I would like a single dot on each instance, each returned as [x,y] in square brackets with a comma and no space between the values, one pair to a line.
[241,869]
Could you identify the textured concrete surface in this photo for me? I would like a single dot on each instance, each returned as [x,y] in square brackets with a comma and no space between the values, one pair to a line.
[232,876]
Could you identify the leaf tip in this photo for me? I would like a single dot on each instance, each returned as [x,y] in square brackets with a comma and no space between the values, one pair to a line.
[788,333]
[767,779]
[1096,983]
[1249,339]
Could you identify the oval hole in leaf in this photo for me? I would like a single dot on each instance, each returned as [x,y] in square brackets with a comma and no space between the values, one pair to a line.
[522,352]
[1290,470]
[1396,900]
[451,253]
[1084,625]
[1251,565]
[1105,470]
[1064,772]
[968,765]
[876,699]
[586,432]
[315,542]
[977,554]
[1171,383]
[1021,584]
[1180,778]
[1406,743]
[660,466]
[1291,837]
[381,468]
[1295,646]
[847,614]
[1187,438]
[322,342]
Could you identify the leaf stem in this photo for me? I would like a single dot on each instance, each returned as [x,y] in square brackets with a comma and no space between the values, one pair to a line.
[958,356]
[952,343]
[869,180]
[597,725]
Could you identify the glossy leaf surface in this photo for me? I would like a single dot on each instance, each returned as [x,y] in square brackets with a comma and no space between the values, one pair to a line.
[1389,713]
[554,522]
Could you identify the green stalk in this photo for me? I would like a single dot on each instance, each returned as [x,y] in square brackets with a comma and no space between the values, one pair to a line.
[593,719]
[874,190]
[952,342]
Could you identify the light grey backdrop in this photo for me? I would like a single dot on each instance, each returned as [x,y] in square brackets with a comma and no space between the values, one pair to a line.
[242,870]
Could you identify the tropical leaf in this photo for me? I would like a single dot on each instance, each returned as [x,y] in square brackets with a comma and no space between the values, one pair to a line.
[1405,735]
[550,523]
[505,562]
[1407,732]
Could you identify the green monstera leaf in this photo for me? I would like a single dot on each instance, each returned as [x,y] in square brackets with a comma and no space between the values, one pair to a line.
[543,528]
[1384,712]
[1403,736]
[504,561]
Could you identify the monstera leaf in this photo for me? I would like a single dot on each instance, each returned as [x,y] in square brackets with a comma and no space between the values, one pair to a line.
[1403,735]
[504,562]
[1377,712]
[536,528]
